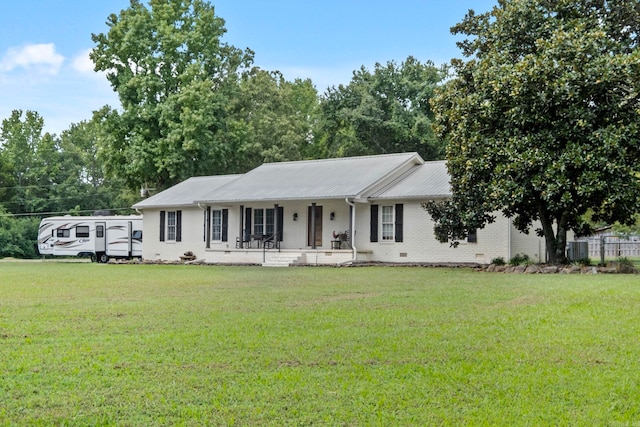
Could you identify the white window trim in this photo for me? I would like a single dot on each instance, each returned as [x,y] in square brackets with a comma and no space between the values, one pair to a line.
[389,238]
[170,227]
[214,225]
[264,225]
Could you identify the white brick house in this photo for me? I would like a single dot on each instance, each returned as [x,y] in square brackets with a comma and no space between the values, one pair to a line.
[319,212]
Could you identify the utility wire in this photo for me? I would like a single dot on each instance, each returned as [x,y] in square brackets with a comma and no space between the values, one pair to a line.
[60,213]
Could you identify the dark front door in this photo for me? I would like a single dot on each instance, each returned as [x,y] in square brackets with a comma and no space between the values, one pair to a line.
[314,226]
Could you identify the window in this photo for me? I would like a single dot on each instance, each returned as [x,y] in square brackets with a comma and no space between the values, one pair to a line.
[269,222]
[136,235]
[387,223]
[63,232]
[263,221]
[100,231]
[216,225]
[171,226]
[472,236]
[258,221]
[82,231]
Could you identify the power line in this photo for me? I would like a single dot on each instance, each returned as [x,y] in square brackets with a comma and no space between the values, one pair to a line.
[59,213]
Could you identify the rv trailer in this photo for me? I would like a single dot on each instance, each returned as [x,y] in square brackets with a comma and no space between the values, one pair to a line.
[98,237]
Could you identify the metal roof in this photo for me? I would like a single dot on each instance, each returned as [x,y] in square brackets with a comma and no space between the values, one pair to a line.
[184,193]
[314,179]
[428,180]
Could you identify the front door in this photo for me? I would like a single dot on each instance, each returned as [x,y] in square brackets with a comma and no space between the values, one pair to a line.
[317,230]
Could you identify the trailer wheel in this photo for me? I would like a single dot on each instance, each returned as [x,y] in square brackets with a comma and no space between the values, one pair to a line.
[103,258]
[94,258]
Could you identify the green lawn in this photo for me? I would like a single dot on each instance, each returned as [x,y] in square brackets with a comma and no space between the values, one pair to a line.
[93,344]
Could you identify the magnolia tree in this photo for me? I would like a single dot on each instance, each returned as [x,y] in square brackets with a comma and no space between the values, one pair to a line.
[542,119]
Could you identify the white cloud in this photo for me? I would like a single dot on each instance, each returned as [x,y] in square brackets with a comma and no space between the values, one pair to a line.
[82,63]
[63,91]
[41,58]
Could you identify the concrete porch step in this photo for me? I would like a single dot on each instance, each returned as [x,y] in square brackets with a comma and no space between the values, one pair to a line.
[282,259]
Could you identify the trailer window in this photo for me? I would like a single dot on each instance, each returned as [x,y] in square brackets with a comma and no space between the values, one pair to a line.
[82,231]
[137,235]
[63,232]
[100,231]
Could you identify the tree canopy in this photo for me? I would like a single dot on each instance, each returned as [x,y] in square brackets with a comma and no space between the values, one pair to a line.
[542,119]
[272,119]
[31,163]
[174,77]
[43,174]
[384,111]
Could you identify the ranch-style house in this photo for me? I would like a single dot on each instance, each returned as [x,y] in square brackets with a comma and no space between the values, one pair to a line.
[330,211]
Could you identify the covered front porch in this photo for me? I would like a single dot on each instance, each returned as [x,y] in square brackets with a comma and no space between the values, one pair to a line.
[316,232]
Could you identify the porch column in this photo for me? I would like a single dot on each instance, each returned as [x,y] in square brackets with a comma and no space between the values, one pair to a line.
[275,225]
[352,220]
[241,238]
[313,226]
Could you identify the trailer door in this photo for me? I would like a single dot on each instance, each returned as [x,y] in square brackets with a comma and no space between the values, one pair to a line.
[101,237]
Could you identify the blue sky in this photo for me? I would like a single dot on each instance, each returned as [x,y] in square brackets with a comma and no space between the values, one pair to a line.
[44,45]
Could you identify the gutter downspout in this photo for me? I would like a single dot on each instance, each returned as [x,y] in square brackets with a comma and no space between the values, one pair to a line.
[353,229]
[509,225]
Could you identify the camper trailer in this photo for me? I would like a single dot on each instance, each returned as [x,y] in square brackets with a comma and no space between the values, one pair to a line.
[98,237]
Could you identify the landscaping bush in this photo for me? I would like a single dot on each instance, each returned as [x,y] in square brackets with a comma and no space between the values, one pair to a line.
[520,259]
[498,261]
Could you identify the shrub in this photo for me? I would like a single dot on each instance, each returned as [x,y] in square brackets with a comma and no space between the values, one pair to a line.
[625,262]
[520,259]
[498,261]
[583,262]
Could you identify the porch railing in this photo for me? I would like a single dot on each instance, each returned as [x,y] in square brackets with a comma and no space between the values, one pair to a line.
[268,243]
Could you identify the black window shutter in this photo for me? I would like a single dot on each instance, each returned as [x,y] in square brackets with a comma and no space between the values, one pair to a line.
[247,224]
[280,223]
[162,213]
[178,226]
[225,225]
[207,227]
[472,237]
[374,223]
[399,214]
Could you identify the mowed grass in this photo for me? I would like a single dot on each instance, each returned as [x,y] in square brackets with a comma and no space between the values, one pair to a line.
[92,344]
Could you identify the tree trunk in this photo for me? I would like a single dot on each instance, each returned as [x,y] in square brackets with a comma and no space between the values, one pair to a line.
[556,241]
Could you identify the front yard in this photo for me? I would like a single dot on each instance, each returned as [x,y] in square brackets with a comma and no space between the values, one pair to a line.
[86,344]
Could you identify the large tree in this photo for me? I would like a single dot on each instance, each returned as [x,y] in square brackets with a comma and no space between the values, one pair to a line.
[543,118]
[31,159]
[384,111]
[174,76]
[273,118]
[84,184]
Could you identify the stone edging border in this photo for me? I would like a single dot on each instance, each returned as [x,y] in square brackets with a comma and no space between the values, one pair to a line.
[612,268]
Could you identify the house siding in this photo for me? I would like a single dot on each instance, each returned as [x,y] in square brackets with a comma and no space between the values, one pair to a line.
[420,245]
[191,234]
